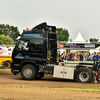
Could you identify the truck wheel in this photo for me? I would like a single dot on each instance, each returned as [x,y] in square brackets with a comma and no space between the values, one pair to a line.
[28,72]
[6,65]
[84,76]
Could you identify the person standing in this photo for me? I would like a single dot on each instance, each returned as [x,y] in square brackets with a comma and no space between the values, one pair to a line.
[66,56]
[81,57]
[87,57]
[95,56]
[71,56]
[63,55]
[91,56]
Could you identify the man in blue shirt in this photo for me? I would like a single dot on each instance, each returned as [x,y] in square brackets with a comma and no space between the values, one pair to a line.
[95,56]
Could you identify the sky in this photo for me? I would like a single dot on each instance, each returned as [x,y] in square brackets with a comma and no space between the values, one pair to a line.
[74,15]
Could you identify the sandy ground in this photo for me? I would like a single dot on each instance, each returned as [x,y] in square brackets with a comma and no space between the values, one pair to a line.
[48,88]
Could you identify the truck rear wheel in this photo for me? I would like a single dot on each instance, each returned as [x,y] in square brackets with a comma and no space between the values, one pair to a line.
[84,76]
[28,72]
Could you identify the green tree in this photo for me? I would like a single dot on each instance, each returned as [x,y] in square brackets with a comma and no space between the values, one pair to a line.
[13,31]
[62,34]
[3,39]
[93,40]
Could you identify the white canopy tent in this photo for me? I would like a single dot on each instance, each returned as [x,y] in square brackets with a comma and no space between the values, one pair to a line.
[79,39]
[79,44]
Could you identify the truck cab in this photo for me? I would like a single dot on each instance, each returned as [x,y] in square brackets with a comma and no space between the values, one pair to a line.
[36,47]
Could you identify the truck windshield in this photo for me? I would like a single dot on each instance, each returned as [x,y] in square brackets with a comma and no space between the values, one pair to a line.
[23,45]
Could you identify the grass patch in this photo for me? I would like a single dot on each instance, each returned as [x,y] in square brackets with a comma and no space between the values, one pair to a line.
[1,67]
[77,88]
[51,87]
[84,88]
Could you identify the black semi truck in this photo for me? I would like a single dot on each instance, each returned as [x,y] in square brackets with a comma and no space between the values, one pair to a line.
[35,54]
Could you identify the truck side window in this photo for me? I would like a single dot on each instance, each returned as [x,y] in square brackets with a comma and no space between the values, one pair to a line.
[23,45]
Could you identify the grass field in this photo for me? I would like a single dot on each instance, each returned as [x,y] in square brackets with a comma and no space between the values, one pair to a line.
[15,88]
[30,92]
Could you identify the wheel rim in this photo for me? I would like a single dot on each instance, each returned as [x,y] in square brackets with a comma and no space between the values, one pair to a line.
[6,64]
[27,72]
[84,76]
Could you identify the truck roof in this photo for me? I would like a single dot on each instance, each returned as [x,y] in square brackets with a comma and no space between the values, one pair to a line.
[44,26]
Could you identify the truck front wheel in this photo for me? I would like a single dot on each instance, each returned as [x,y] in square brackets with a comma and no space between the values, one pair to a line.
[84,76]
[28,72]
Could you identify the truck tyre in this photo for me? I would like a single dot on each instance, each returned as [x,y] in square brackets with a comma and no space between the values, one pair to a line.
[28,72]
[6,65]
[84,76]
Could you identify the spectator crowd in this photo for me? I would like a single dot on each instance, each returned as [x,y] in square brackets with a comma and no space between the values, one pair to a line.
[74,56]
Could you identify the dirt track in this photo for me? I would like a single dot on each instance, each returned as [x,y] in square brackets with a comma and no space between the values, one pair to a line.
[15,88]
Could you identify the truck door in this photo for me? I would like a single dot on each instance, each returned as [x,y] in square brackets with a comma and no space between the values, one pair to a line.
[38,50]
[22,49]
